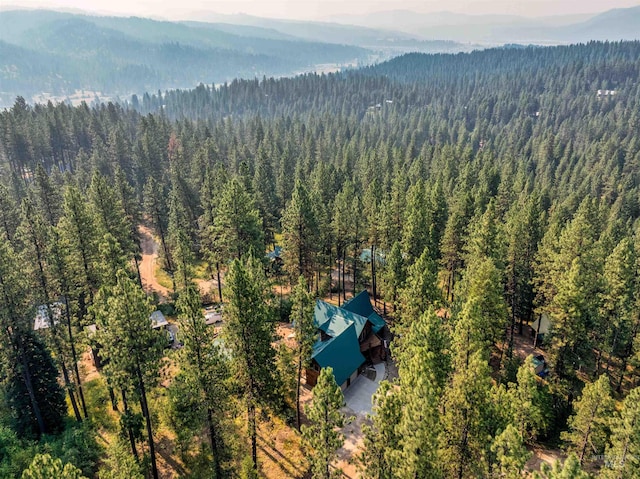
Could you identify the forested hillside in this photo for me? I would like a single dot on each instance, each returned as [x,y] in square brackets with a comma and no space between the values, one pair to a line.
[56,54]
[490,189]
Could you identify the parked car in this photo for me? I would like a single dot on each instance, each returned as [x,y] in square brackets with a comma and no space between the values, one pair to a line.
[540,366]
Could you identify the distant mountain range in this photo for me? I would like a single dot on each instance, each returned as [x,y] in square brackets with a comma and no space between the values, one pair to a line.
[616,24]
[377,39]
[57,55]
[65,55]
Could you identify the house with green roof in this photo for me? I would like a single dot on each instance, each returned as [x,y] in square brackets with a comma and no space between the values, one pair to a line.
[348,338]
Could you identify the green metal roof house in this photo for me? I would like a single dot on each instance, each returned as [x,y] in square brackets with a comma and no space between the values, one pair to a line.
[348,336]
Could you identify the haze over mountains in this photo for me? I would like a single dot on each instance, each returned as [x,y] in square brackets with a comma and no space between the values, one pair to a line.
[47,54]
[62,55]
[616,24]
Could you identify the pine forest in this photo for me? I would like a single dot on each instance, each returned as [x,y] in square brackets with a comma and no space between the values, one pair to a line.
[174,269]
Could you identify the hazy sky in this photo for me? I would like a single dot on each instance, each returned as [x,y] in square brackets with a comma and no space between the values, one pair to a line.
[318,9]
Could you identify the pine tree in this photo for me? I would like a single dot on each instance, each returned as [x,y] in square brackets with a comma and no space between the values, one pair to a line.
[111,260]
[343,232]
[511,454]
[305,331]
[481,286]
[394,275]
[452,245]
[465,422]
[34,396]
[382,440]
[423,367]
[248,335]
[589,425]
[156,209]
[381,444]
[34,235]
[522,236]
[109,214]
[618,297]
[36,400]
[263,186]
[78,237]
[47,198]
[569,279]
[203,369]
[415,231]
[119,464]
[527,402]
[132,209]
[214,180]
[420,290]
[181,242]
[485,238]
[133,349]
[300,234]
[61,275]
[439,213]
[322,436]
[467,418]
[8,213]
[237,228]
[623,453]
[570,469]
[44,466]
[371,209]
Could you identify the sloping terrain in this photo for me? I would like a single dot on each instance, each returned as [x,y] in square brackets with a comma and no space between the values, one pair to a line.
[59,53]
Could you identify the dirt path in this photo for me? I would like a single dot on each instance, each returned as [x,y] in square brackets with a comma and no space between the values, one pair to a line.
[541,456]
[148,264]
[208,288]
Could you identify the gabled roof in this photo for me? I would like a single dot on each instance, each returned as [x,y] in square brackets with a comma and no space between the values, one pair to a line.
[361,305]
[343,326]
[158,320]
[334,320]
[342,353]
[543,322]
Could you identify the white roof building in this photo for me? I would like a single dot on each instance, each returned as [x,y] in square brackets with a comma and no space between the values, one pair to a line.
[158,320]
[42,320]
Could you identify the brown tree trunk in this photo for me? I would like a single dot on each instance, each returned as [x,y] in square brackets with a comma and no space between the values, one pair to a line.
[344,266]
[135,259]
[68,387]
[74,357]
[253,432]
[145,413]
[26,376]
[298,390]
[219,282]
[214,445]
[373,275]
[132,440]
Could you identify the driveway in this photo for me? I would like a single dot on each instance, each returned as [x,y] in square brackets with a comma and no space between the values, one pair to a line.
[358,396]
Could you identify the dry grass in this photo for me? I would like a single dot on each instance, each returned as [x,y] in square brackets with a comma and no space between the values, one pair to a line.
[279,451]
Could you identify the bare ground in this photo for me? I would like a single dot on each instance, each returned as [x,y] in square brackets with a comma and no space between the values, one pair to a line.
[148,264]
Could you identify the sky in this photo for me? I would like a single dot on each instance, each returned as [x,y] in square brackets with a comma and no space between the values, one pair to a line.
[322,9]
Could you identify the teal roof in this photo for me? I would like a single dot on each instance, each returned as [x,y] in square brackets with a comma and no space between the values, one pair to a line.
[334,320]
[361,305]
[341,350]
[342,353]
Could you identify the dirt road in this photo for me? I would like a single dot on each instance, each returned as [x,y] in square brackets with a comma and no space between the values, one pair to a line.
[148,264]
